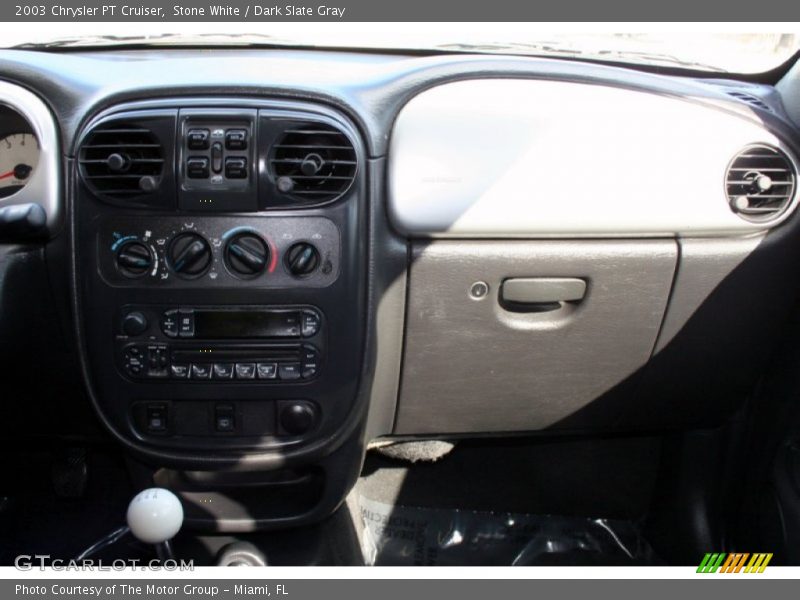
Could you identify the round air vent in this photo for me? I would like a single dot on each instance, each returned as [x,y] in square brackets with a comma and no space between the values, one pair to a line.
[760,183]
[313,163]
[122,161]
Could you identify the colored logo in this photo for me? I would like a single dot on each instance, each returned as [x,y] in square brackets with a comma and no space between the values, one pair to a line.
[736,562]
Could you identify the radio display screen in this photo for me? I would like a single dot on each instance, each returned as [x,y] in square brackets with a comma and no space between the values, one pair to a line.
[212,324]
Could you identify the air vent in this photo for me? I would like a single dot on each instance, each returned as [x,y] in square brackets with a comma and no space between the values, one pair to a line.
[313,163]
[751,100]
[760,183]
[122,161]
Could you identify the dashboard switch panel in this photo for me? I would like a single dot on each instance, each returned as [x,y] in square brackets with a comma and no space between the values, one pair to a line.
[216,160]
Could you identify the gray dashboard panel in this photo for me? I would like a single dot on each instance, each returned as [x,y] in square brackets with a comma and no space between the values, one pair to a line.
[470,365]
[514,157]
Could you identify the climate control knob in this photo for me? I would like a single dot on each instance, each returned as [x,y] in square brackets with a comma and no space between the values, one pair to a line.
[246,254]
[302,259]
[189,255]
[134,259]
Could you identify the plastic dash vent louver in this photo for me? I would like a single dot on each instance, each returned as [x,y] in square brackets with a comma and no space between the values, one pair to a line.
[760,183]
[313,163]
[121,161]
[751,100]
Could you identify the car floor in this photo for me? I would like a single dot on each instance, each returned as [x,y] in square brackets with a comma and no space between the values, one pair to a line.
[571,501]
[59,500]
[516,502]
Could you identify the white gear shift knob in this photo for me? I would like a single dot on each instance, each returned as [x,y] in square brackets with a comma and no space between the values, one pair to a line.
[155,515]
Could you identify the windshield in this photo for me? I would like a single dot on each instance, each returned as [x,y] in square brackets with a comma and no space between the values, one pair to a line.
[717,52]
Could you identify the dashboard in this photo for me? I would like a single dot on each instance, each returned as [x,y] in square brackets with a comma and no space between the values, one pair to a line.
[274,257]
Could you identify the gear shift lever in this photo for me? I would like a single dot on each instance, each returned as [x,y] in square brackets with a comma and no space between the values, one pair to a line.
[155,515]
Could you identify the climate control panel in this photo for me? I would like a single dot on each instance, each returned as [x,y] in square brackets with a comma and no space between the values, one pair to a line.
[219,252]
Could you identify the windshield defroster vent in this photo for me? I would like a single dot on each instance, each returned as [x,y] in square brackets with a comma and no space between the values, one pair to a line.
[121,161]
[751,100]
[313,163]
[760,183]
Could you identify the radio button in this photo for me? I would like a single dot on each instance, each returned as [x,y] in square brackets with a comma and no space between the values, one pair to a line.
[310,324]
[169,323]
[157,357]
[201,371]
[267,370]
[134,361]
[245,370]
[223,371]
[289,371]
[179,371]
[289,326]
[186,324]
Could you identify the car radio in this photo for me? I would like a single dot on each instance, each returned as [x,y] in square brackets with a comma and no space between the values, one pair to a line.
[219,344]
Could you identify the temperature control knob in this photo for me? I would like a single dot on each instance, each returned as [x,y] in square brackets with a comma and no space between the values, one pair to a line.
[302,259]
[189,255]
[246,254]
[134,259]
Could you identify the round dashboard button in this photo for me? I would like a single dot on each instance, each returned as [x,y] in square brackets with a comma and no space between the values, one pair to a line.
[297,418]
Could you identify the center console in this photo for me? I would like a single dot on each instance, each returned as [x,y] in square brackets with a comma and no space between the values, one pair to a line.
[220,284]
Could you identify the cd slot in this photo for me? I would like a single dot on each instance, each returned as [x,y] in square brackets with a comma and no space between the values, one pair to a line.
[241,353]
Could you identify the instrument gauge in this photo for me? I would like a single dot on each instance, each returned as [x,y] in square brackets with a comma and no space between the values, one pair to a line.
[19,155]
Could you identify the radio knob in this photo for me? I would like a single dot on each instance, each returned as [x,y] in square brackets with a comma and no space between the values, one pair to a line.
[246,254]
[134,259]
[189,255]
[134,323]
[302,259]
